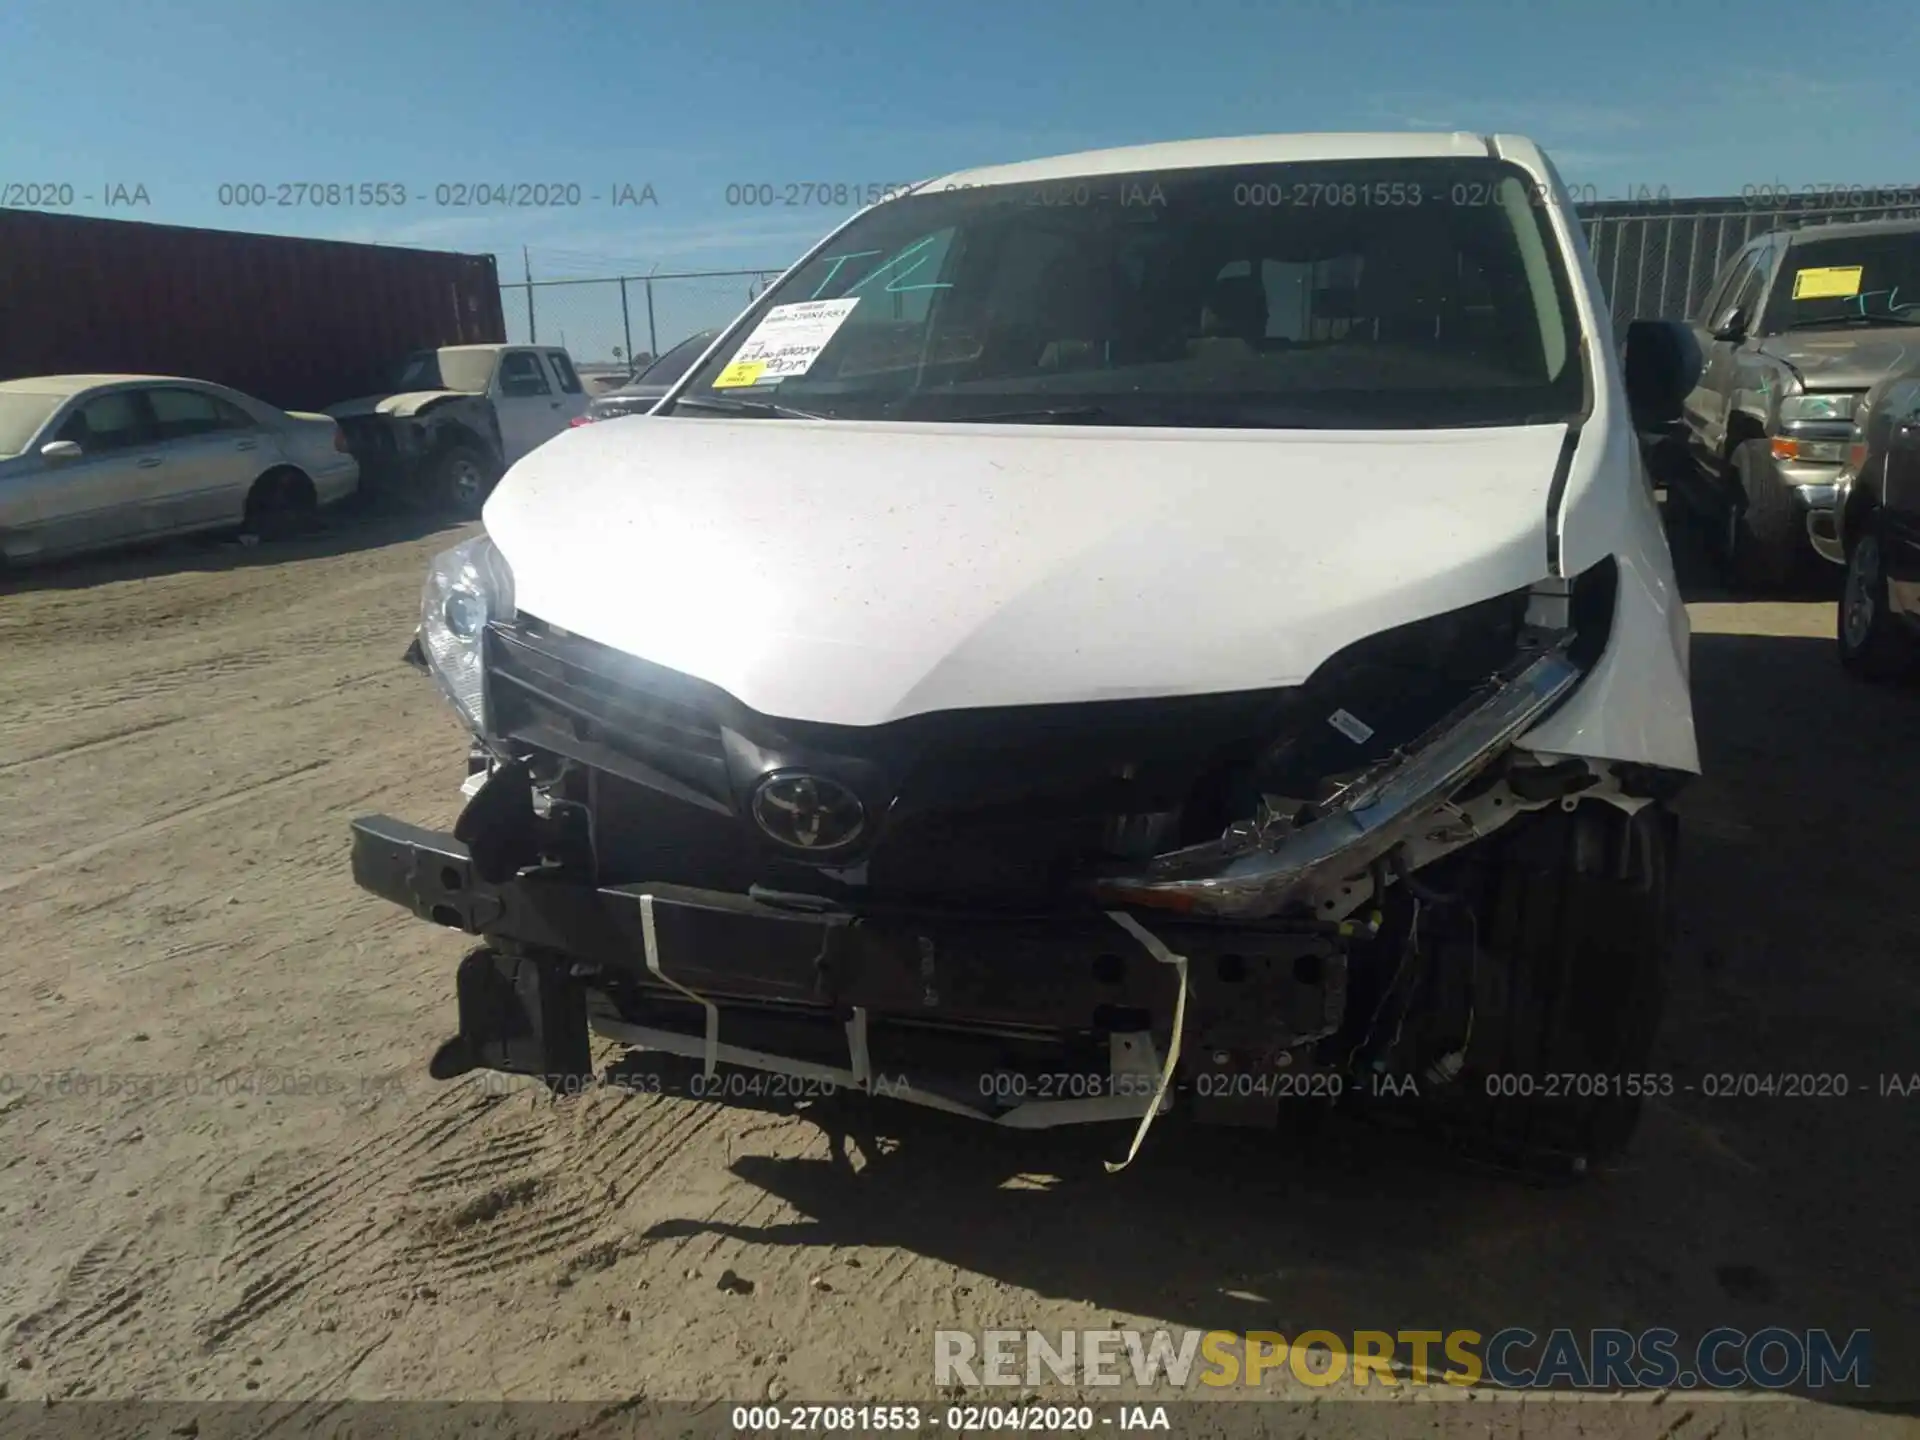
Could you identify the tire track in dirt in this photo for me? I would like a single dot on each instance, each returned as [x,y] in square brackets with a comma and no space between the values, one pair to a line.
[260,1229]
[103,1289]
[546,1197]
[91,744]
[470,1188]
[56,703]
[542,1193]
[311,1231]
[82,747]
[184,815]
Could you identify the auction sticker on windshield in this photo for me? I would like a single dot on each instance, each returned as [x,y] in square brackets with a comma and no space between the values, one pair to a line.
[786,342]
[1827,282]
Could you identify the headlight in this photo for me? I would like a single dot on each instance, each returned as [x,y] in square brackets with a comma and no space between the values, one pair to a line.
[1818,407]
[466,587]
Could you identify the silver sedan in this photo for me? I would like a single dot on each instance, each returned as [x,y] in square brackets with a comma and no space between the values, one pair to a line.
[88,461]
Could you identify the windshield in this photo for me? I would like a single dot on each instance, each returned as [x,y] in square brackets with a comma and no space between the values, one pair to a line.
[466,370]
[1363,294]
[676,362]
[1841,279]
[22,413]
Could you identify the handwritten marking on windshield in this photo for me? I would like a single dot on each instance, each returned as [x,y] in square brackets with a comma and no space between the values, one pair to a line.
[893,286]
[838,261]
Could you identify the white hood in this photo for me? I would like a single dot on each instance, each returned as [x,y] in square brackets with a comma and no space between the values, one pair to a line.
[859,573]
[411,402]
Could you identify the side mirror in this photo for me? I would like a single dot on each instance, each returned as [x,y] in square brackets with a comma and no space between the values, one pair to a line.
[59,452]
[1662,364]
[1732,324]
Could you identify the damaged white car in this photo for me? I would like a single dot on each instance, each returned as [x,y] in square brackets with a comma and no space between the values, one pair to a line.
[1169,629]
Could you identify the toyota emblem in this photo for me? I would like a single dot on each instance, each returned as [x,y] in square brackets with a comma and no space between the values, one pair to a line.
[808,812]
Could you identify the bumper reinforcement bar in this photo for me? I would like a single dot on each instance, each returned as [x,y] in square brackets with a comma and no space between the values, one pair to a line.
[1253,875]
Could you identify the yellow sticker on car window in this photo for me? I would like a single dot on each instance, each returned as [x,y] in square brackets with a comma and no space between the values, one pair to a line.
[741,372]
[1827,282]
[786,342]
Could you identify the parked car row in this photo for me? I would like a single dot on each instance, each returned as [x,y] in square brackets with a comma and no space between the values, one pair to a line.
[91,461]
[1801,436]
[1795,331]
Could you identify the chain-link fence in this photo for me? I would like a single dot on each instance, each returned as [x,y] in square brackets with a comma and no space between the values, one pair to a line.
[1656,260]
[615,321]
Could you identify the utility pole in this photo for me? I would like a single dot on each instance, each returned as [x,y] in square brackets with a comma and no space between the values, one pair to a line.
[653,333]
[526,262]
[626,325]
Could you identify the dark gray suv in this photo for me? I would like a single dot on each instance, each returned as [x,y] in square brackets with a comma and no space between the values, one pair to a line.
[643,392]
[1795,330]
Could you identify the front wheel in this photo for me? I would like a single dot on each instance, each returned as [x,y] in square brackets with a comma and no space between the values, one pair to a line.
[1541,980]
[1874,645]
[280,505]
[459,479]
[1766,539]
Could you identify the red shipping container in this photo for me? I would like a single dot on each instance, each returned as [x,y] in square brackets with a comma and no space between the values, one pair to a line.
[300,323]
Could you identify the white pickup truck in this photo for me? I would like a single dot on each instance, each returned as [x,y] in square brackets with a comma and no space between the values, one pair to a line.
[458,417]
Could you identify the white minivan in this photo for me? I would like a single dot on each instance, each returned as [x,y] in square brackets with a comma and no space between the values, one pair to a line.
[1175,626]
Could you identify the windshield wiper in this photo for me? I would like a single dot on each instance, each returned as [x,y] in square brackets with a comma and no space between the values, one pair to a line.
[1061,412]
[1860,317]
[760,409]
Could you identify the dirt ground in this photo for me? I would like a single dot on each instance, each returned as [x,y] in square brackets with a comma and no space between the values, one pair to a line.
[225,1175]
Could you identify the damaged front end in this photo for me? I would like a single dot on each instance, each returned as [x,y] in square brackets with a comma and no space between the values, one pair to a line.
[398,439]
[1035,916]
[1321,856]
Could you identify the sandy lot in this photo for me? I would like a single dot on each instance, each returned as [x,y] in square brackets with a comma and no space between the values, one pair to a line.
[245,1187]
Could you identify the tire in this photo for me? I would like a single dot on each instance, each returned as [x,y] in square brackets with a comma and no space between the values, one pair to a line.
[458,480]
[1692,538]
[1558,990]
[1766,541]
[1873,643]
[280,505]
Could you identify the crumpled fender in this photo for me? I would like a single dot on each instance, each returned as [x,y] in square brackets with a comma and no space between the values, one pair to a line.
[411,402]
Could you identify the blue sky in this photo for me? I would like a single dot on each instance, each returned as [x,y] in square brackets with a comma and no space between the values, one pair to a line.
[184,96]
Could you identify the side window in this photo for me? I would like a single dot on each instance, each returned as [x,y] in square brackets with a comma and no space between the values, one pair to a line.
[1741,286]
[521,375]
[114,421]
[1236,305]
[1766,264]
[563,372]
[1747,296]
[232,417]
[1289,287]
[1722,287]
[182,414]
[1310,299]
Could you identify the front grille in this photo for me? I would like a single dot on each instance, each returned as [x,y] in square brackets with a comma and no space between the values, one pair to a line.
[1001,807]
[986,806]
[582,699]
